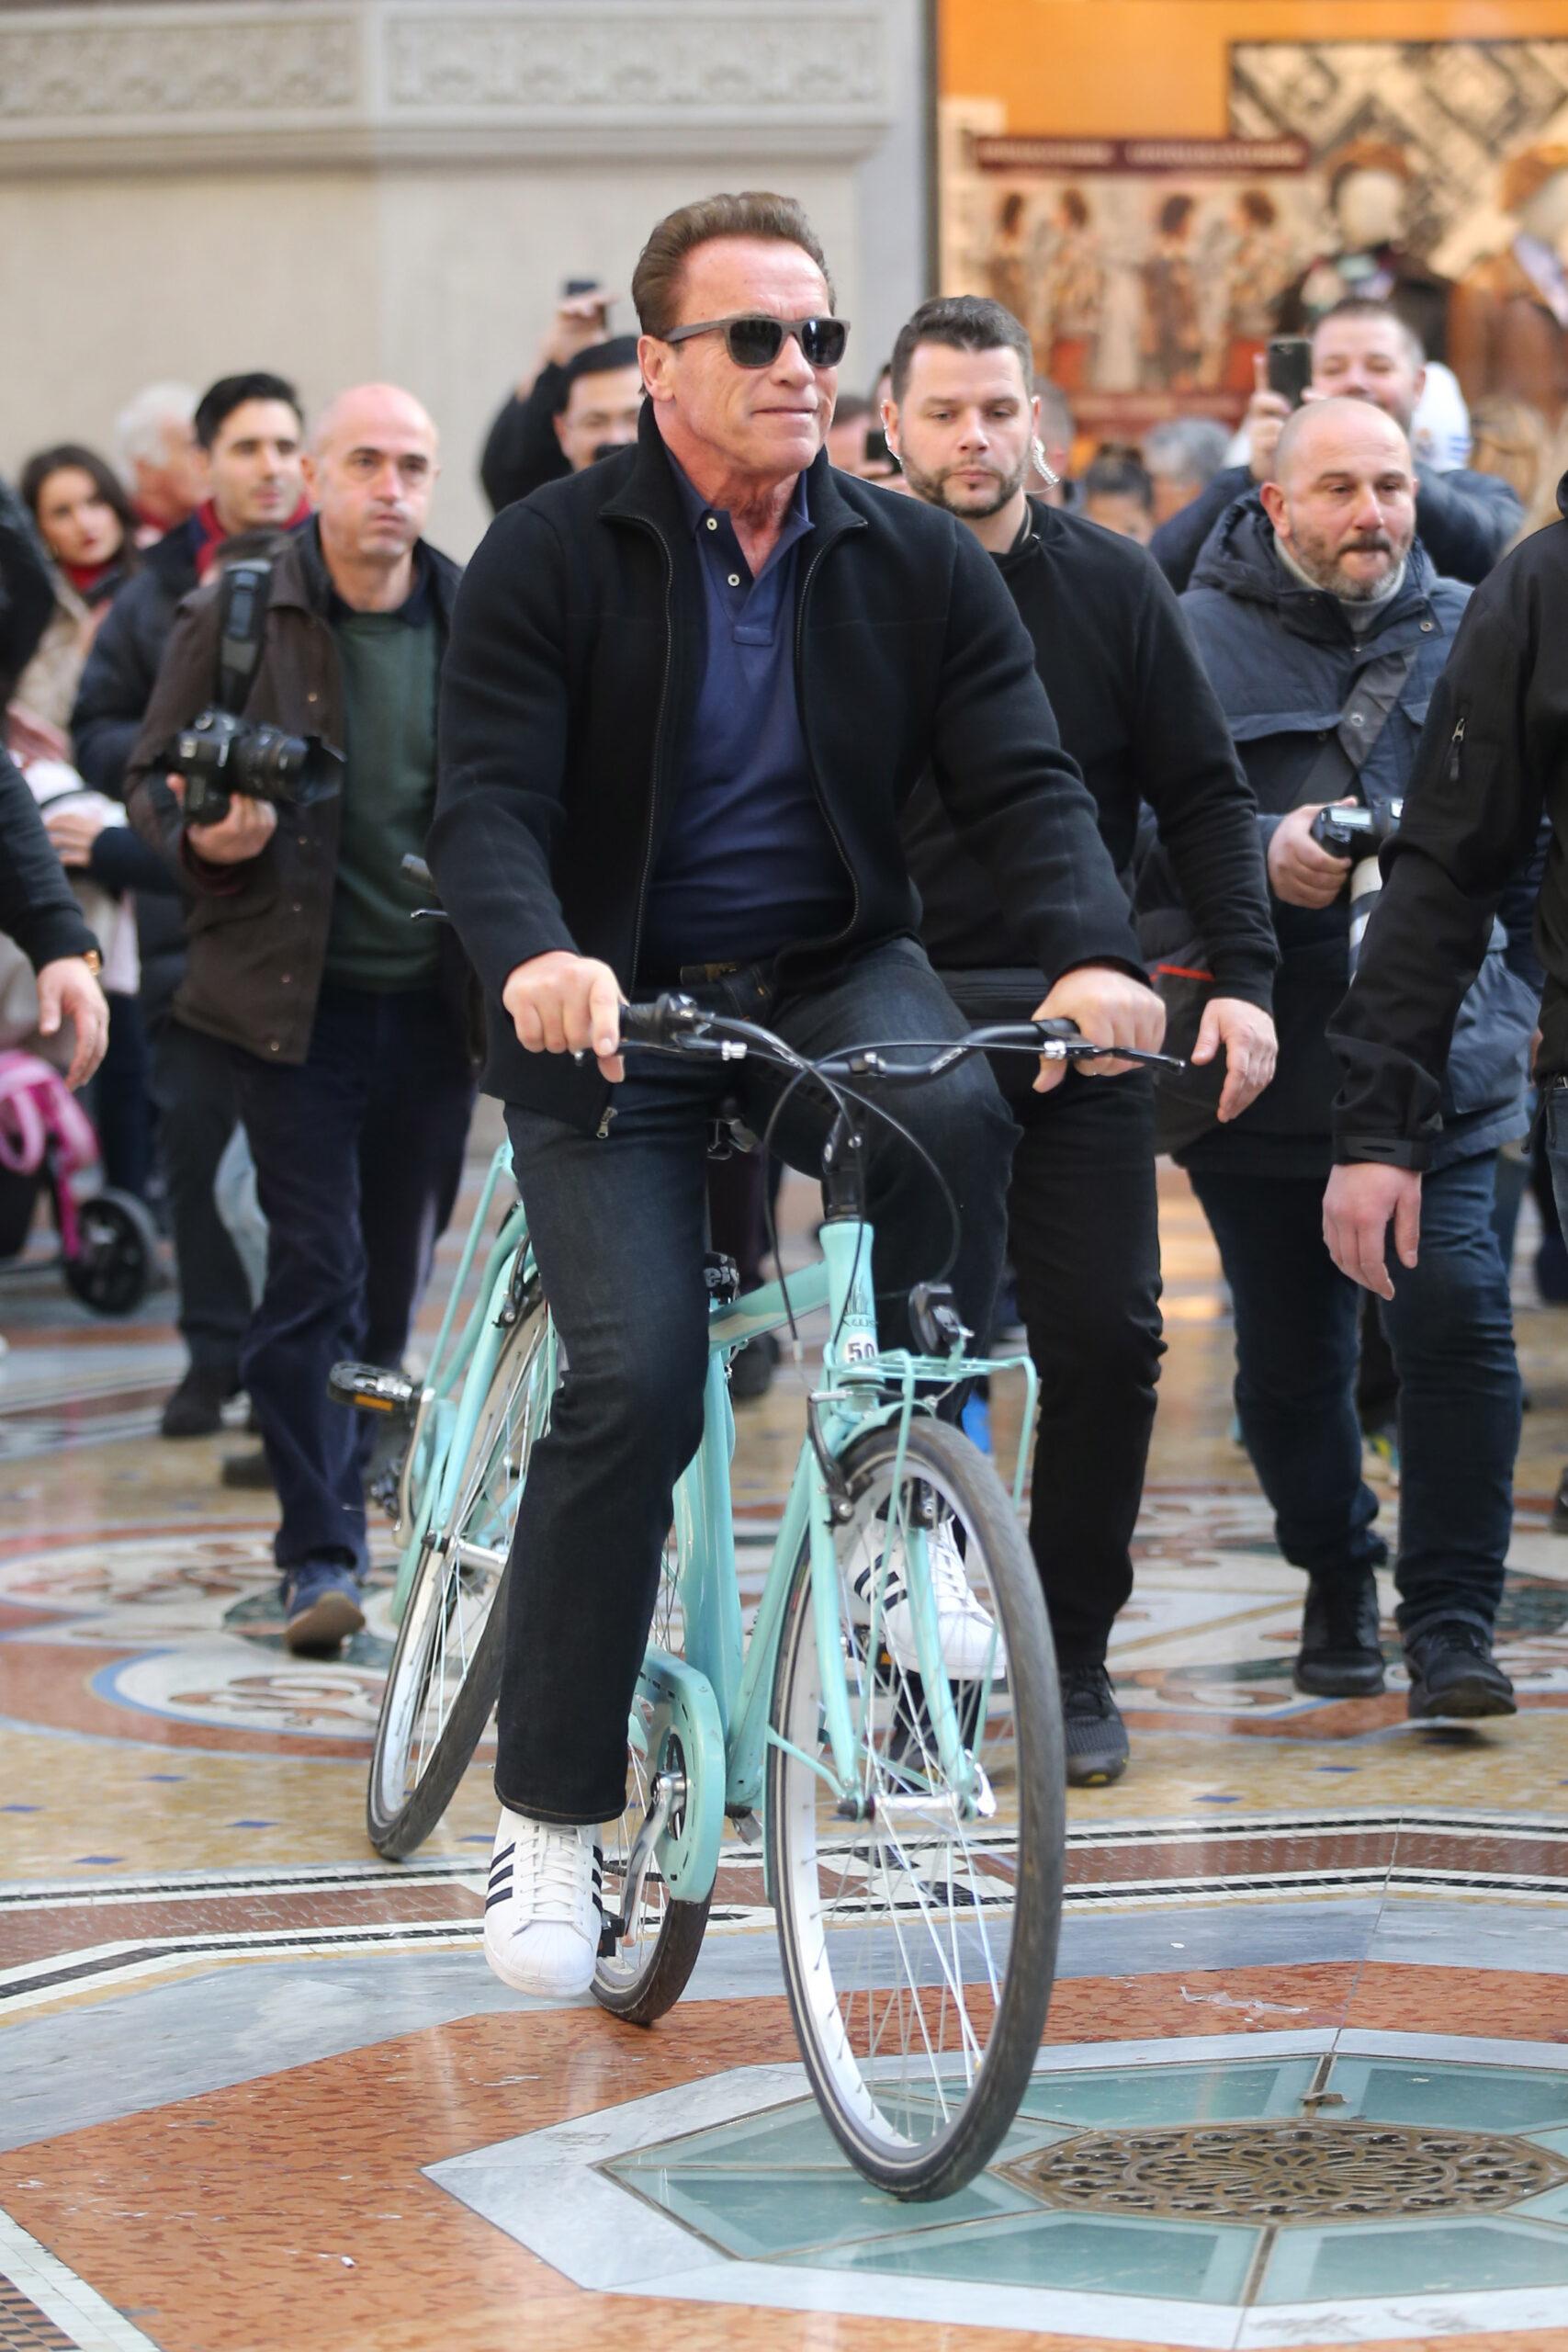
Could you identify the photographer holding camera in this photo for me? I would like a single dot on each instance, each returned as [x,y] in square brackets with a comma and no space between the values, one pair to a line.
[1323,631]
[346,1022]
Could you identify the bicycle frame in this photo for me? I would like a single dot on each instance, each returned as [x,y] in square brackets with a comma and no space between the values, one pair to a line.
[458,1386]
[715,1698]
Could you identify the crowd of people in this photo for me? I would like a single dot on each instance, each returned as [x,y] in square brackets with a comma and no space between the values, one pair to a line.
[1110,734]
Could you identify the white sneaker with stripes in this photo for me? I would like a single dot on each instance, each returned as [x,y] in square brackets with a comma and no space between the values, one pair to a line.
[971,1645]
[543,1907]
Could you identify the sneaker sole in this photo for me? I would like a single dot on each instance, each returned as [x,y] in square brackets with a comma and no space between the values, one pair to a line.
[1465,1704]
[1093,1773]
[515,1981]
[325,1624]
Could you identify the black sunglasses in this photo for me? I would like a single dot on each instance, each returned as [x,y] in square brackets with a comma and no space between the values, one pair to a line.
[756,342]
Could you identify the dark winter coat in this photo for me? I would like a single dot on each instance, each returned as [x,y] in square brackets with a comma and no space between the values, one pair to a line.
[1283,660]
[1493,760]
[566,694]
[257,931]
[1464,521]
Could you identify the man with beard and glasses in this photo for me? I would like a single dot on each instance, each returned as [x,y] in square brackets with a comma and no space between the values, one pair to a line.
[1140,717]
[1325,631]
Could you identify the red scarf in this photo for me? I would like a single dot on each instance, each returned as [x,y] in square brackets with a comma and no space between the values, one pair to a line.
[211,534]
[86,577]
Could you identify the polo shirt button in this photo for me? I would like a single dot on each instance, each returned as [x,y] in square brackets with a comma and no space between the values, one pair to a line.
[735,579]
[713,522]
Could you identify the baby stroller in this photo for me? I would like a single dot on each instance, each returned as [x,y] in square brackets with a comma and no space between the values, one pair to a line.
[108,1249]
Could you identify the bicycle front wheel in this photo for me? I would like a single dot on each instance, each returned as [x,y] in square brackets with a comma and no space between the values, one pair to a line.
[919,1940]
[445,1672]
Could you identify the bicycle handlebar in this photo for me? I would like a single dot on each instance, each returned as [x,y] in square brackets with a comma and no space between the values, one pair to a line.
[675,1024]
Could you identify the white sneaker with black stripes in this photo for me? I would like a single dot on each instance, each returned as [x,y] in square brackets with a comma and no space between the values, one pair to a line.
[544,1907]
[971,1645]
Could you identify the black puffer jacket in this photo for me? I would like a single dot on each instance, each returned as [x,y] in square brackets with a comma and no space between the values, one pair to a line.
[566,692]
[122,668]
[1283,660]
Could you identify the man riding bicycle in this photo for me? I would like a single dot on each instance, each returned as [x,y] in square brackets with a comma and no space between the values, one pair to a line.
[686,695]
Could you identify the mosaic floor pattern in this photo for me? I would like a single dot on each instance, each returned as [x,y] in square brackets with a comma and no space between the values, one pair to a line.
[1305,2077]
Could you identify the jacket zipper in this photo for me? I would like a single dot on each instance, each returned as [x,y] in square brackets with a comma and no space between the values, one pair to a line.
[602,1130]
[821,798]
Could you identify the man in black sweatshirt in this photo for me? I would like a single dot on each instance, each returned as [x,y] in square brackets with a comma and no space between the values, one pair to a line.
[1140,717]
[1360,350]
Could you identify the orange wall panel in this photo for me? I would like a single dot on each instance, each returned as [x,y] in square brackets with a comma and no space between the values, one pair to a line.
[1139,68]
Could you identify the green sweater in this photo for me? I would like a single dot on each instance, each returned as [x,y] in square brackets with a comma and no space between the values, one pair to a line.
[389,798]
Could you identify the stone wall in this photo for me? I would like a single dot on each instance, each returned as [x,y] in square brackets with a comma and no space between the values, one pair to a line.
[348,188]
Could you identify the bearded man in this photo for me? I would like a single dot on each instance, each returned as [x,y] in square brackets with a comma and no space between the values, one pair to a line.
[1323,630]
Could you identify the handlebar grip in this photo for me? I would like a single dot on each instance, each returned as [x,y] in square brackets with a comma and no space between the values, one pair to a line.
[657,1024]
[1059,1033]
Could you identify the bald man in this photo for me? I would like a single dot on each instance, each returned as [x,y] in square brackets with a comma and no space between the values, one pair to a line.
[1323,630]
[346,1021]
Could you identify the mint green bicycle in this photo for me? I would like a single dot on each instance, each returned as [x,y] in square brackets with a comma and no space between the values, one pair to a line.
[890,1727]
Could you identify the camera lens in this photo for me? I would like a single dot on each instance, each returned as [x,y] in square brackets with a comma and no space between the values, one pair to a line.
[268,763]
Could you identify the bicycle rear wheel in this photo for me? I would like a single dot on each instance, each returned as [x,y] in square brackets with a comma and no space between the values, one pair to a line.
[643,1971]
[445,1672]
[919,1943]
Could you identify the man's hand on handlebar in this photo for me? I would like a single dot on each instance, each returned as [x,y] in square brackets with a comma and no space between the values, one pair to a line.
[562,1003]
[1108,1006]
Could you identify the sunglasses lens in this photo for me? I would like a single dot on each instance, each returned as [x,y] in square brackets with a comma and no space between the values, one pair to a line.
[754,342]
[823,340]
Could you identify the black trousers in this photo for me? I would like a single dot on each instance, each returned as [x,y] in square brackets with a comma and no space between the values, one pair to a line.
[359,1153]
[193,1086]
[617,1225]
[1083,1236]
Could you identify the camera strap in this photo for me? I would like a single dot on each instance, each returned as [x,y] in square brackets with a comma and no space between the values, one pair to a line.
[243,594]
[1373,699]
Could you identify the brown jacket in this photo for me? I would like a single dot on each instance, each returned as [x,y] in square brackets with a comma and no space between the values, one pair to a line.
[258,932]
[1502,338]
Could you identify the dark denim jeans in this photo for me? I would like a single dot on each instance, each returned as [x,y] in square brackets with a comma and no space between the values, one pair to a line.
[193,1086]
[618,1227]
[358,1154]
[1083,1237]
[1450,1329]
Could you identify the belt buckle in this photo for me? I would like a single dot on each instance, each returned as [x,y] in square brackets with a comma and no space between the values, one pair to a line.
[701,974]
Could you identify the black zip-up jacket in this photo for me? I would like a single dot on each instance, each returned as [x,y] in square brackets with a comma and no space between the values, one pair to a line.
[521,452]
[1492,758]
[1136,711]
[122,667]
[568,686]
[38,908]
[27,592]
[1464,520]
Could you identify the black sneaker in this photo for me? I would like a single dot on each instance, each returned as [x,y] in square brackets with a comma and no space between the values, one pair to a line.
[1454,1674]
[751,1368]
[1340,1656]
[196,1407]
[1094,1732]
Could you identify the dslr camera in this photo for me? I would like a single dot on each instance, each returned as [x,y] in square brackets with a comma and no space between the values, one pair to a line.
[1357,834]
[218,755]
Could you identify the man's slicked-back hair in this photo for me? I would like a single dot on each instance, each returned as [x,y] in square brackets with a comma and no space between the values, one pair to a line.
[963,323]
[230,392]
[656,280]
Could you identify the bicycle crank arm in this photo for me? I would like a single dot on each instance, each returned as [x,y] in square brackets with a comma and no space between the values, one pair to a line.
[669,1791]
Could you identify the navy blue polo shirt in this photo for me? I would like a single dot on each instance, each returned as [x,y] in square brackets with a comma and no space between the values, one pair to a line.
[748,864]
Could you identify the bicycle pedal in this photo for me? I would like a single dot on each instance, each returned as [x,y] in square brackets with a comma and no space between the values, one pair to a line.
[368,1388]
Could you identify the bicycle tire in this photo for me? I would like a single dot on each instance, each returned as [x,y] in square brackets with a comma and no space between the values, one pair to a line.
[919,2138]
[641,1991]
[399,1817]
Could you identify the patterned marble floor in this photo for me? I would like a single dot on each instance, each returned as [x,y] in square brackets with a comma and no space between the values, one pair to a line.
[1305,2079]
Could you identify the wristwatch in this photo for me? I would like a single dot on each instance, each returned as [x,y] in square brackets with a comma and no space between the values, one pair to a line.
[92,960]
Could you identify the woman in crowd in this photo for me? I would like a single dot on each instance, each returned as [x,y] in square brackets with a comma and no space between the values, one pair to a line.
[87,526]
